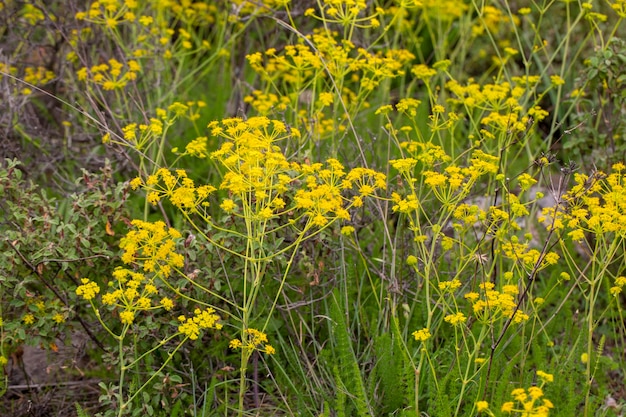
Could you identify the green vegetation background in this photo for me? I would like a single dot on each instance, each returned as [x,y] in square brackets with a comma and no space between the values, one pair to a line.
[320,208]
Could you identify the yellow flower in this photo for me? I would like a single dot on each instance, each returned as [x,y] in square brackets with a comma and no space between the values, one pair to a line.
[88,290]
[449,286]
[556,80]
[347,230]
[326,99]
[28,319]
[545,376]
[202,319]
[455,319]
[127,317]
[482,406]
[422,335]
[167,304]
[535,392]
[507,407]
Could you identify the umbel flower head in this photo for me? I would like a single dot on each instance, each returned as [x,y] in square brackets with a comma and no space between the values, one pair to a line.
[253,339]
[153,245]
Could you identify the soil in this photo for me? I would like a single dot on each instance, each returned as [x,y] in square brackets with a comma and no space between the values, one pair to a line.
[48,382]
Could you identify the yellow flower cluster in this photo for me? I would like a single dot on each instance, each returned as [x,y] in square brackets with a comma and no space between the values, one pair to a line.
[202,319]
[112,13]
[422,335]
[88,290]
[109,13]
[264,103]
[257,167]
[619,6]
[177,188]
[346,13]
[151,22]
[490,305]
[529,402]
[152,245]
[143,135]
[32,14]
[297,65]
[449,286]
[493,20]
[455,319]
[134,293]
[248,7]
[253,339]
[442,10]
[254,163]
[616,289]
[523,255]
[113,75]
[596,204]
[503,104]
[449,185]
[322,198]
[28,319]
[37,76]
[526,402]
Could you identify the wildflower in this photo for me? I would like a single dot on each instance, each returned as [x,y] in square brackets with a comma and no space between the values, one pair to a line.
[88,290]
[576,235]
[385,109]
[422,335]
[347,230]
[423,72]
[197,147]
[507,407]
[525,181]
[449,286]
[167,304]
[535,392]
[190,329]
[127,317]
[153,244]
[545,376]
[28,319]
[326,99]
[405,166]
[253,340]
[556,80]
[455,319]
[202,319]
[482,406]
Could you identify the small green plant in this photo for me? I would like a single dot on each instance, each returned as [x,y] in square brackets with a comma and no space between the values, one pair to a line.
[38,306]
